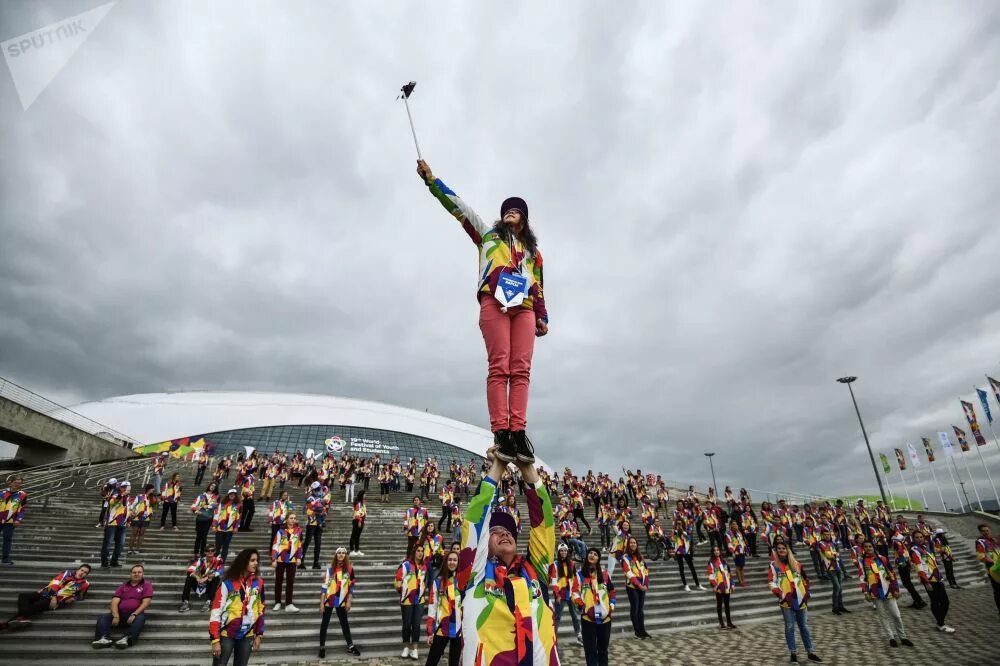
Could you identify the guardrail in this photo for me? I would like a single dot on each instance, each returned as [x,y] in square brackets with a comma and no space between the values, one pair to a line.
[31,400]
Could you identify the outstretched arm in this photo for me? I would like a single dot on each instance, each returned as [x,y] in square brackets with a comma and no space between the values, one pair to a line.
[461,211]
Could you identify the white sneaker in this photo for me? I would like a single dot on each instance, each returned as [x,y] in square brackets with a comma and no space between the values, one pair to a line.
[122,643]
[946,629]
[102,642]
[277,607]
[701,587]
[406,653]
[291,608]
[687,588]
[360,554]
[413,654]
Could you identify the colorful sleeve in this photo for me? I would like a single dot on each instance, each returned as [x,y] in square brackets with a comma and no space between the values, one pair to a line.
[611,590]
[350,588]
[215,617]
[538,290]
[432,609]
[772,582]
[553,580]
[397,582]
[81,592]
[461,211]
[20,511]
[276,545]
[981,553]
[475,534]
[542,537]
[258,626]
[575,590]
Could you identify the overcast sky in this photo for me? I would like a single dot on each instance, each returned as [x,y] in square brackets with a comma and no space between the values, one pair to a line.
[737,203]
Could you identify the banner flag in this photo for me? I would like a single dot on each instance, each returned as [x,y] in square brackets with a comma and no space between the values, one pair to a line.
[995,385]
[985,401]
[913,455]
[885,462]
[946,445]
[970,416]
[962,441]
[900,459]
[928,449]
[177,448]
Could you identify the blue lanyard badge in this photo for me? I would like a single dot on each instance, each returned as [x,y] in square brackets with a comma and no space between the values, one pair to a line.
[511,290]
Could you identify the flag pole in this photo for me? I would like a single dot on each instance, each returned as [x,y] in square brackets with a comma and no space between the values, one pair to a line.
[909,505]
[940,494]
[919,485]
[971,479]
[988,476]
[892,499]
[960,502]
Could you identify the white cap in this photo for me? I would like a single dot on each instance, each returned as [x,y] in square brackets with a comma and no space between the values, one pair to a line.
[112,480]
[126,483]
[939,530]
[315,485]
[233,491]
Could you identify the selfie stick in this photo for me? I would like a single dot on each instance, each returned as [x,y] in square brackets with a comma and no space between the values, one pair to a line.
[407,90]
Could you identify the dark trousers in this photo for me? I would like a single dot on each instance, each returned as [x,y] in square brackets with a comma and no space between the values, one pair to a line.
[344,626]
[238,649]
[199,476]
[837,596]
[751,536]
[636,603]
[411,622]
[104,514]
[31,603]
[454,646]
[247,515]
[596,638]
[354,543]
[720,601]
[171,508]
[817,563]
[201,528]
[118,535]
[904,575]
[939,602]
[579,517]
[689,558]
[445,515]
[996,593]
[715,539]
[844,541]
[606,536]
[131,630]
[284,572]
[313,532]
[191,585]
[949,571]
[222,541]
[8,539]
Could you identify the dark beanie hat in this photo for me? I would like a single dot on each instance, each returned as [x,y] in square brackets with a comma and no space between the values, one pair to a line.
[504,520]
[514,202]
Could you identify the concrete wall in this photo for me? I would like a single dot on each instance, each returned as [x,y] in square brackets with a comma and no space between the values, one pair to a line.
[42,439]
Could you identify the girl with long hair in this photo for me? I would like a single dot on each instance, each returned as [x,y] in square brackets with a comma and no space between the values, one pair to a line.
[736,545]
[226,521]
[721,579]
[357,525]
[139,510]
[203,509]
[789,583]
[337,593]
[511,310]
[682,551]
[594,595]
[561,575]
[444,615]
[411,585]
[636,586]
[170,496]
[236,622]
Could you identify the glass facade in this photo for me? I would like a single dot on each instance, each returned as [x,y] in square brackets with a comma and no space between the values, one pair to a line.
[361,442]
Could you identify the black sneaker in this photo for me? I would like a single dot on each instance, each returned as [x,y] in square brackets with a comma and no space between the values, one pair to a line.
[354,650]
[893,642]
[506,448]
[322,653]
[814,657]
[906,641]
[793,658]
[525,451]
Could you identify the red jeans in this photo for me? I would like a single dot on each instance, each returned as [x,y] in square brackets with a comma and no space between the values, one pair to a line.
[510,341]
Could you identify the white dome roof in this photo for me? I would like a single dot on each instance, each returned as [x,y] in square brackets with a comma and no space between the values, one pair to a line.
[157,417]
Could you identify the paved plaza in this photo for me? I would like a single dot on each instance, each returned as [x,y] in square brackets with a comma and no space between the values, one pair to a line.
[855,639]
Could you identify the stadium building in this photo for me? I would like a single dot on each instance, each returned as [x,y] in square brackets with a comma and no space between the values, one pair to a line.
[290,422]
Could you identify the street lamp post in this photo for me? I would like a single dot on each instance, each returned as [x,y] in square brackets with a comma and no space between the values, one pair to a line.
[715,486]
[881,490]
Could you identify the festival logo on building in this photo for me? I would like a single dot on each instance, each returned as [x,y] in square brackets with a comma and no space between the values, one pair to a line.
[335,444]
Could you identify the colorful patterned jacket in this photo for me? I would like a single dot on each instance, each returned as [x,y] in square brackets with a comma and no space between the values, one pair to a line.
[279,511]
[878,579]
[789,584]
[719,576]
[206,567]
[238,609]
[560,585]
[594,596]
[635,572]
[12,506]
[337,585]
[171,493]
[227,517]
[411,582]
[432,544]
[829,553]
[506,618]
[287,546]
[316,508]
[66,588]
[444,609]
[988,552]
[204,505]
[360,513]
[736,543]
[926,564]
[139,508]
[496,255]
[414,521]
[118,510]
